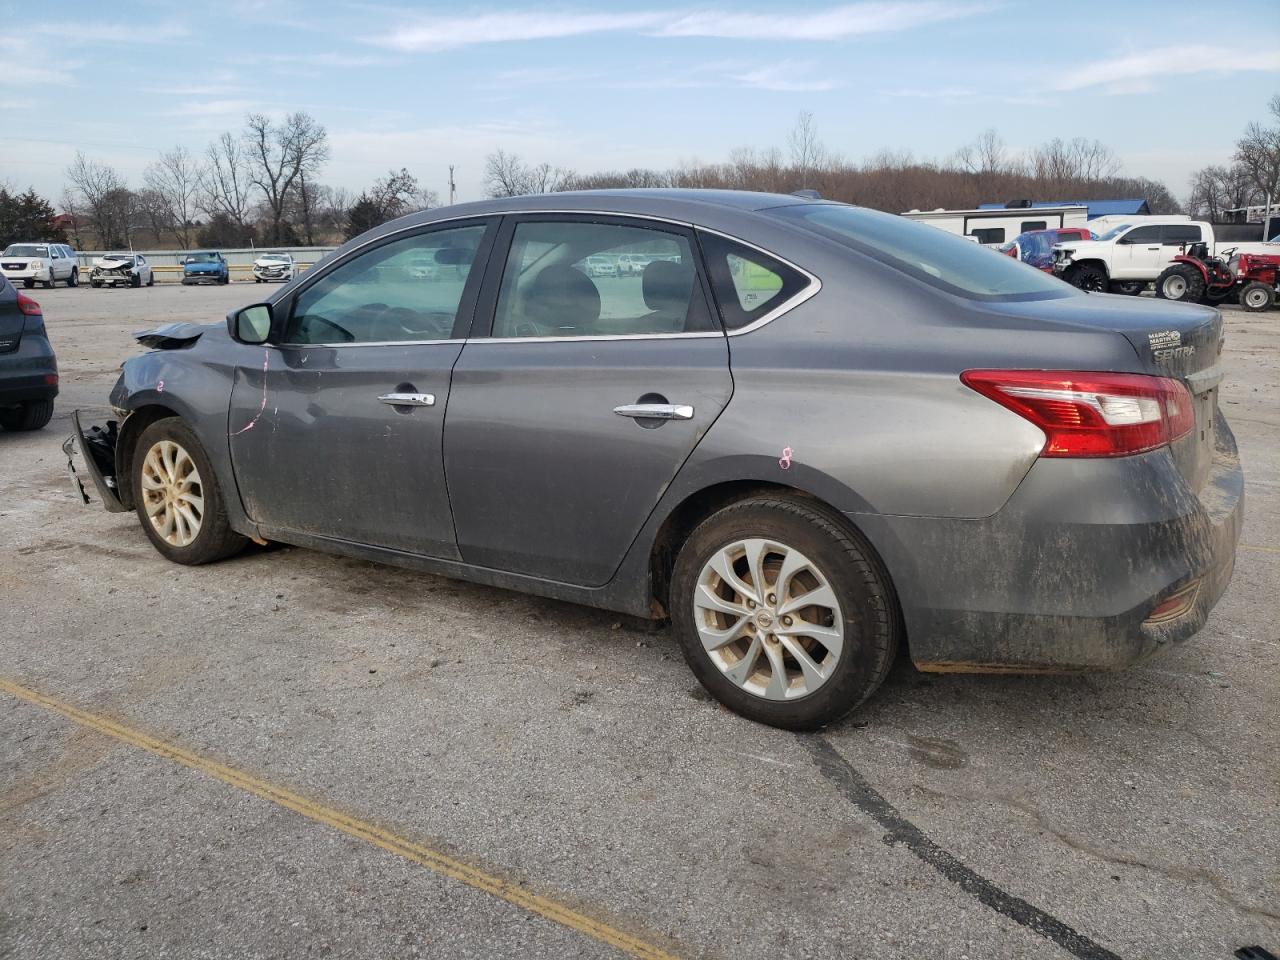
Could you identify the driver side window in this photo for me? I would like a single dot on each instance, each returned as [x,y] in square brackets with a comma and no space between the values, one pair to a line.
[406,290]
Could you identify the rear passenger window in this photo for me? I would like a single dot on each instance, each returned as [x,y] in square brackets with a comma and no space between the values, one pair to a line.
[581,279]
[748,284]
[1177,234]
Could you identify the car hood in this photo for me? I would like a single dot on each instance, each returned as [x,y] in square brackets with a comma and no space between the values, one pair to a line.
[202,267]
[276,264]
[111,263]
[1080,246]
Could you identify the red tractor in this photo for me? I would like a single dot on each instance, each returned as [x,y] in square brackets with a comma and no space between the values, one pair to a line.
[1196,277]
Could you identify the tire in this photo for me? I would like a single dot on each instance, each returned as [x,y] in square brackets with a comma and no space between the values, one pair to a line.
[74,279]
[1128,288]
[28,284]
[1256,296]
[1087,277]
[864,614]
[1181,283]
[95,283]
[48,284]
[175,445]
[135,279]
[32,415]
[151,279]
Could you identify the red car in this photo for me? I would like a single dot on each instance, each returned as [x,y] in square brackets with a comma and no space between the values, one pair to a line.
[1036,246]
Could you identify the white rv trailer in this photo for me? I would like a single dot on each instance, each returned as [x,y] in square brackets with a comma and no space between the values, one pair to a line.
[992,226]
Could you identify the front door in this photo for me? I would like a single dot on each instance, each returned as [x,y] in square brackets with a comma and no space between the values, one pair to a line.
[566,425]
[1138,254]
[338,431]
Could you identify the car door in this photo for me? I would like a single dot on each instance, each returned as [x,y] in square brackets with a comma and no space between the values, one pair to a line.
[1138,254]
[568,421]
[336,430]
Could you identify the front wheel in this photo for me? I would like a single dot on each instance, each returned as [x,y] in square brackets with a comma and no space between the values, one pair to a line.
[1256,297]
[151,279]
[28,284]
[783,614]
[1087,277]
[74,279]
[176,496]
[1180,282]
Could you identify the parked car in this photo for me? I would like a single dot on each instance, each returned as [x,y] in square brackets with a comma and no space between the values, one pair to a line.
[121,270]
[1036,246]
[897,438]
[601,267]
[631,264]
[45,263]
[28,368]
[205,267]
[271,267]
[1129,256]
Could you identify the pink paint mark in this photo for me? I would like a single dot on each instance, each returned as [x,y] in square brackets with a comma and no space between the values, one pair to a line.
[160,387]
[784,461]
[266,358]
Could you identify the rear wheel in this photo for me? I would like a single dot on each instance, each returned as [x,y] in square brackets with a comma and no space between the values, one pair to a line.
[1130,288]
[1088,277]
[31,415]
[1256,296]
[783,614]
[1180,282]
[151,279]
[177,498]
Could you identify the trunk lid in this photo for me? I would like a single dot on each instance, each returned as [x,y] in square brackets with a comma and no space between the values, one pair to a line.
[1179,341]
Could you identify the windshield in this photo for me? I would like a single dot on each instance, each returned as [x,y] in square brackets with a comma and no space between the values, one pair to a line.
[1115,231]
[201,258]
[933,256]
[274,258]
[25,250]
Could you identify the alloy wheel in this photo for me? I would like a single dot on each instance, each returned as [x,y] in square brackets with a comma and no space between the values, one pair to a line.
[768,619]
[172,493]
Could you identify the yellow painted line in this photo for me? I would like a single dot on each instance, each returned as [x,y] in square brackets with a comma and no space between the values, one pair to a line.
[417,853]
[1253,546]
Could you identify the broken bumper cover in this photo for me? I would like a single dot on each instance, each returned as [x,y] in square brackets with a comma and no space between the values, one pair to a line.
[98,455]
[1069,575]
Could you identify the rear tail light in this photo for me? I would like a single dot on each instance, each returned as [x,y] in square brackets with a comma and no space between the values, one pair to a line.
[28,306]
[1091,414]
[1175,606]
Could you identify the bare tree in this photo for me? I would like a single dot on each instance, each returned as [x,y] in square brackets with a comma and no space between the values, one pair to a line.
[986,155]
[278,155]
[225,182]
[153,210]
[506,175]
[71,207]
[1258,153]
[108,201]
[807,152]
[1059,161]
[175,179]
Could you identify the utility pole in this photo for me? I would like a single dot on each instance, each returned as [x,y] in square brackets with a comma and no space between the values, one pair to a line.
[453,188]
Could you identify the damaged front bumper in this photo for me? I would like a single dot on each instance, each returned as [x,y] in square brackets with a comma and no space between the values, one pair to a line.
[98,452]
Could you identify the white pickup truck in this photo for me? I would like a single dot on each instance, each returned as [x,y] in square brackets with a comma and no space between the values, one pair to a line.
[1129,256]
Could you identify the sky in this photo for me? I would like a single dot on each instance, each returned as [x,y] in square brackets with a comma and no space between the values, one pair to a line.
[592,86]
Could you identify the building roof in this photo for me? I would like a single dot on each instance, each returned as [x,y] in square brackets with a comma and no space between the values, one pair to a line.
[1097,208]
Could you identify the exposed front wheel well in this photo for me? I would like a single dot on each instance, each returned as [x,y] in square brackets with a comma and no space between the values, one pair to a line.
[130,430]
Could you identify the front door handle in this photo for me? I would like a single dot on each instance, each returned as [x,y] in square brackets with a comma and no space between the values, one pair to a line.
[655,411]
[409,399]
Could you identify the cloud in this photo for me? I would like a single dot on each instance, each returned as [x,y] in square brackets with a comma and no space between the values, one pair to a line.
[786,75]
[214,108]
[102,32]
[422,35]
[1131,73]
[28,63]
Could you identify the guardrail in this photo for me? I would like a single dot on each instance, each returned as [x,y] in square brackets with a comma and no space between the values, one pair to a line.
[167,273]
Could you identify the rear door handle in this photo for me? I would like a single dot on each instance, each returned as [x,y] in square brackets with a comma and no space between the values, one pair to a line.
[409,399]
[655,411]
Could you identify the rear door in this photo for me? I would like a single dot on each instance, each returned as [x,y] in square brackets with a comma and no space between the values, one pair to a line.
[568,421]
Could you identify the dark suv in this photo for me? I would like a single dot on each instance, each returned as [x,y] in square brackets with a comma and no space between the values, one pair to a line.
[28,368]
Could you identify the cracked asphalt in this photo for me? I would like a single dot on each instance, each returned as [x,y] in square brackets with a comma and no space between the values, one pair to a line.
[569,754]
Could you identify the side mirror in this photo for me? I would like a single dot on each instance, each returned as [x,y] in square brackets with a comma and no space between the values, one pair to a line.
[250,324]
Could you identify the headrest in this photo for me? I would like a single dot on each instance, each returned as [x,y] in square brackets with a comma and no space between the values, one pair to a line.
[563,298]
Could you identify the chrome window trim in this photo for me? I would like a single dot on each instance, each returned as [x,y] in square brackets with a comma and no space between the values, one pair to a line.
[367,343]
[813,287]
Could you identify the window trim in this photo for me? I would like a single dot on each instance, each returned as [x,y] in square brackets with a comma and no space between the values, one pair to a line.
[487,307]
[282,308]
[810,289]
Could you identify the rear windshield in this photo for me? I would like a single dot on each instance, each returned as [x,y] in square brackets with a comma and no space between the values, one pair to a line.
[927,253]
[24,250]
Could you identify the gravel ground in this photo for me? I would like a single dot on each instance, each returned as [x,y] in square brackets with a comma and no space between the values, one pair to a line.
[572,755]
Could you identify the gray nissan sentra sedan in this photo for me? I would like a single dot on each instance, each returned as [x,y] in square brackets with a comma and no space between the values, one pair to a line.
[807,433]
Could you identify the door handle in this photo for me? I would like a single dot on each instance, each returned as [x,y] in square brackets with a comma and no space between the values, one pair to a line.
[409,399]
[1153,248]
[655,411]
